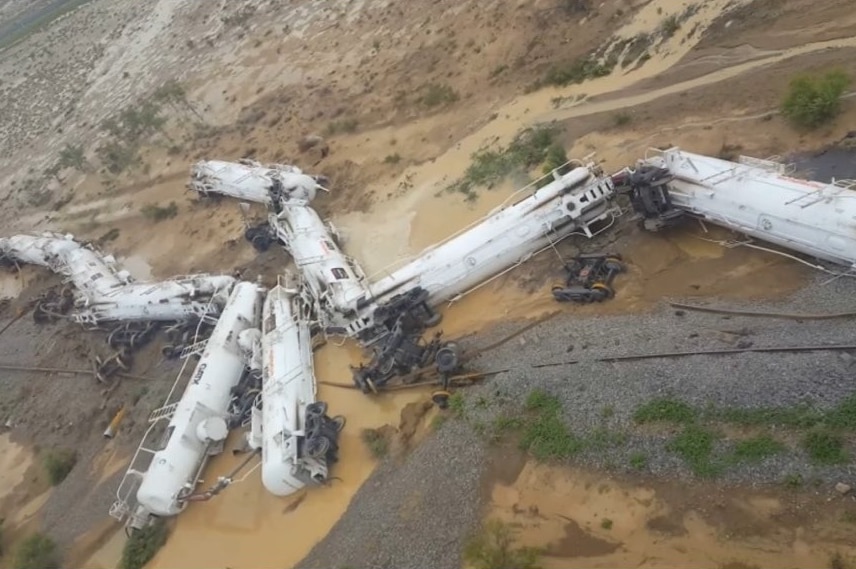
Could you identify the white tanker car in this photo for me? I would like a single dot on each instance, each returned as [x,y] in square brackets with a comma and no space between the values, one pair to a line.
[754,197]
[104,293]
[571,203]
[249,180]
[198,422]
[297,439]
[335,281]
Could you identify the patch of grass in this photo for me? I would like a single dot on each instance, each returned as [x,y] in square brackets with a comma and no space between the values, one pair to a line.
[505,424]
[71,156]
[756,449]
[457,404]
[377,443]
[493,548]
[438,94]
[157,213]
[58,464]
[695,446]
[814,100]
[825,447]
[348,125]
[843,415]
[606,523]
[622,119]
[574,72]
[37,551]
[849,517]
[542,402]
[545,435]
[607,412]
[555,159]
[490,167]
[793,480]
[117,156]
[143,544]
[392,159]
[665,411]
[638,461]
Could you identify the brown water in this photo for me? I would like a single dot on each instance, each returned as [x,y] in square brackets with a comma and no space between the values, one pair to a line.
[659,526]
[248,527]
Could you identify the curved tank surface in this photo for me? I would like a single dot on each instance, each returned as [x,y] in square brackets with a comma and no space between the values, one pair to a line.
[758,198]
[298,441]
[198,425]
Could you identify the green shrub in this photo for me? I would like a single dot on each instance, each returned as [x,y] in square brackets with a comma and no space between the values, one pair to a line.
[812,101]
[825,447]
[377,443]
[58,464]
[143,544]
[157,213]
[36,552]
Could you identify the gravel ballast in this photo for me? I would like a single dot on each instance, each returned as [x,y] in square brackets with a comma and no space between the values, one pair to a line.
[445,470]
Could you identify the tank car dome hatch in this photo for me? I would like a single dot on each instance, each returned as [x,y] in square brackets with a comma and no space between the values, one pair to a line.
[212,430]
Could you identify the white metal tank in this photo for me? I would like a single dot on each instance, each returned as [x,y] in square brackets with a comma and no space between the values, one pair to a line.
[249,180]
[335,280]
[500,241]
[758,198]
[198,426]
[177,299]
[92,273]
[296,437]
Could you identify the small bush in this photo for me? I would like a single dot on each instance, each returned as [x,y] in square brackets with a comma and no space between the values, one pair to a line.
[143,544]
[638,461]
[622,119]
[695,445]
[457,404]
[345,125]
[493,548]
[377,443]
[437,94]
[575,72]
[670,26]
[157,213]
[606,523]
[489,167]
[58,464]
[545,435]
[392,159]
[36,552]
[825,448]
[813,101]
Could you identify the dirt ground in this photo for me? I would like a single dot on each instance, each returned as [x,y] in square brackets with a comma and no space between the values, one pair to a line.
[593,519]
[258,78]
